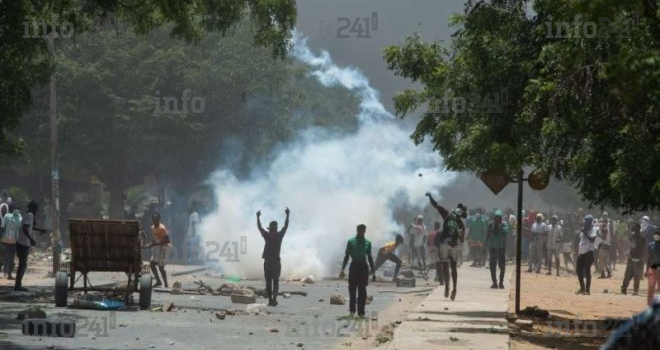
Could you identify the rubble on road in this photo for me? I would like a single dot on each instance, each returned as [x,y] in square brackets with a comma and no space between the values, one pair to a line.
[309,279]
[187,272]
[168,306]
[31,312]
[337,299]
[243,299]
[255,308]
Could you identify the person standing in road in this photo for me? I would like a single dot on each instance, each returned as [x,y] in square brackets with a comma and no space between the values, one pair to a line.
[358,250]
[419,240]
[653,263]
[23,244]
[496,242]
[434,255]
[605,237]
[271,255]
[554,243]
[4,209]
[476,225]
[160,249]
[536,252]
[585,253]
[635,265]
[11,224]
[447,242]
[192,246]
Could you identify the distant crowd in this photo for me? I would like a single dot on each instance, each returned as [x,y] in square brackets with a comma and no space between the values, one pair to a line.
[583,241]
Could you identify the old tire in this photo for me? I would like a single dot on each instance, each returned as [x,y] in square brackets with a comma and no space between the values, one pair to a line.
[145,291]
[61,288]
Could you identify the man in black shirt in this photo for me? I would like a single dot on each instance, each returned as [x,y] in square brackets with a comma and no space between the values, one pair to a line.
[635,266]
[271,255]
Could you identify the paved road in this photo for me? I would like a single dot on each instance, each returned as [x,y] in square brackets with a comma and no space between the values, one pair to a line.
[298,319]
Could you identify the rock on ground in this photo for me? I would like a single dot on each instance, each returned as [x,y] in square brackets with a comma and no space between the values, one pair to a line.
[337,299]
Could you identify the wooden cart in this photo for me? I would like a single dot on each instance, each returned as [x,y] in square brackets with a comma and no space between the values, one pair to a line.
[104,246]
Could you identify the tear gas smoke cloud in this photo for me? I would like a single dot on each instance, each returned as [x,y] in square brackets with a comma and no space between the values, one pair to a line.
[331,184]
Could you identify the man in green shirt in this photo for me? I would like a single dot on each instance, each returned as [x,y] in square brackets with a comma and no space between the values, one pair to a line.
[496,242]
[358,249]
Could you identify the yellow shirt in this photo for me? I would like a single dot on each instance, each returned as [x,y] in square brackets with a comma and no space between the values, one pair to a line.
[388,248]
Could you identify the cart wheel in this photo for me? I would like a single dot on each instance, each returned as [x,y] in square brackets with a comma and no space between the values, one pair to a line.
[61,288]
[145,292]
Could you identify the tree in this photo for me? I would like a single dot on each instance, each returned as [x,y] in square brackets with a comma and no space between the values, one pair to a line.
[577,108]
[114,92]
[24,62]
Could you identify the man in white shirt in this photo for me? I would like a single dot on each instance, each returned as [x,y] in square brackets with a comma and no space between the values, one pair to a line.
[194,250]
[419,234]
[536,252]
[585,259]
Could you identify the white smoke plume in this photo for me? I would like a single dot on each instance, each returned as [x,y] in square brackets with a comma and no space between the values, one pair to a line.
[331,184]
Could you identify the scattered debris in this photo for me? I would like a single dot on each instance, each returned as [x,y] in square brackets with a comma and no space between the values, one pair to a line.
[370,298]
[405,282]
[187,272]
[535,311]
[220,315]
[337,299]
[605,291]
[526,324]
[309,279]
[243,299]
[406,292]
[31,312]
[255,308]
[286,295]
[167,306]
[300,345]
[274,330]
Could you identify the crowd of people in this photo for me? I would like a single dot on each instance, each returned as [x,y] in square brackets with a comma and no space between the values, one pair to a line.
[17,235]
[583,242]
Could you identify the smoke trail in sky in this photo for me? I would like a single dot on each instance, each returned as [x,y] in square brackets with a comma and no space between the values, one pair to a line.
[330,183]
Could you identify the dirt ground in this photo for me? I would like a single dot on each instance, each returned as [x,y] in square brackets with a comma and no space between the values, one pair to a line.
[605,308]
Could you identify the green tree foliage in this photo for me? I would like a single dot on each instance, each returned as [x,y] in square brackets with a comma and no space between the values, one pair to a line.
[113,93]
[580,108]
[24,62]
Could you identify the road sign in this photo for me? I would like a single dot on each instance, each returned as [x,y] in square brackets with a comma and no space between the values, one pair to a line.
[495,180]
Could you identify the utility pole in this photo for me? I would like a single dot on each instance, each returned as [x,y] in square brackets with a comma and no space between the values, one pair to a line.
[55,175]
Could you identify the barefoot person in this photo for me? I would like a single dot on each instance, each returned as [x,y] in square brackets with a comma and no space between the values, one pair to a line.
[271,255]
[160,249]
[385,253]
[453,230]
[358,249]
